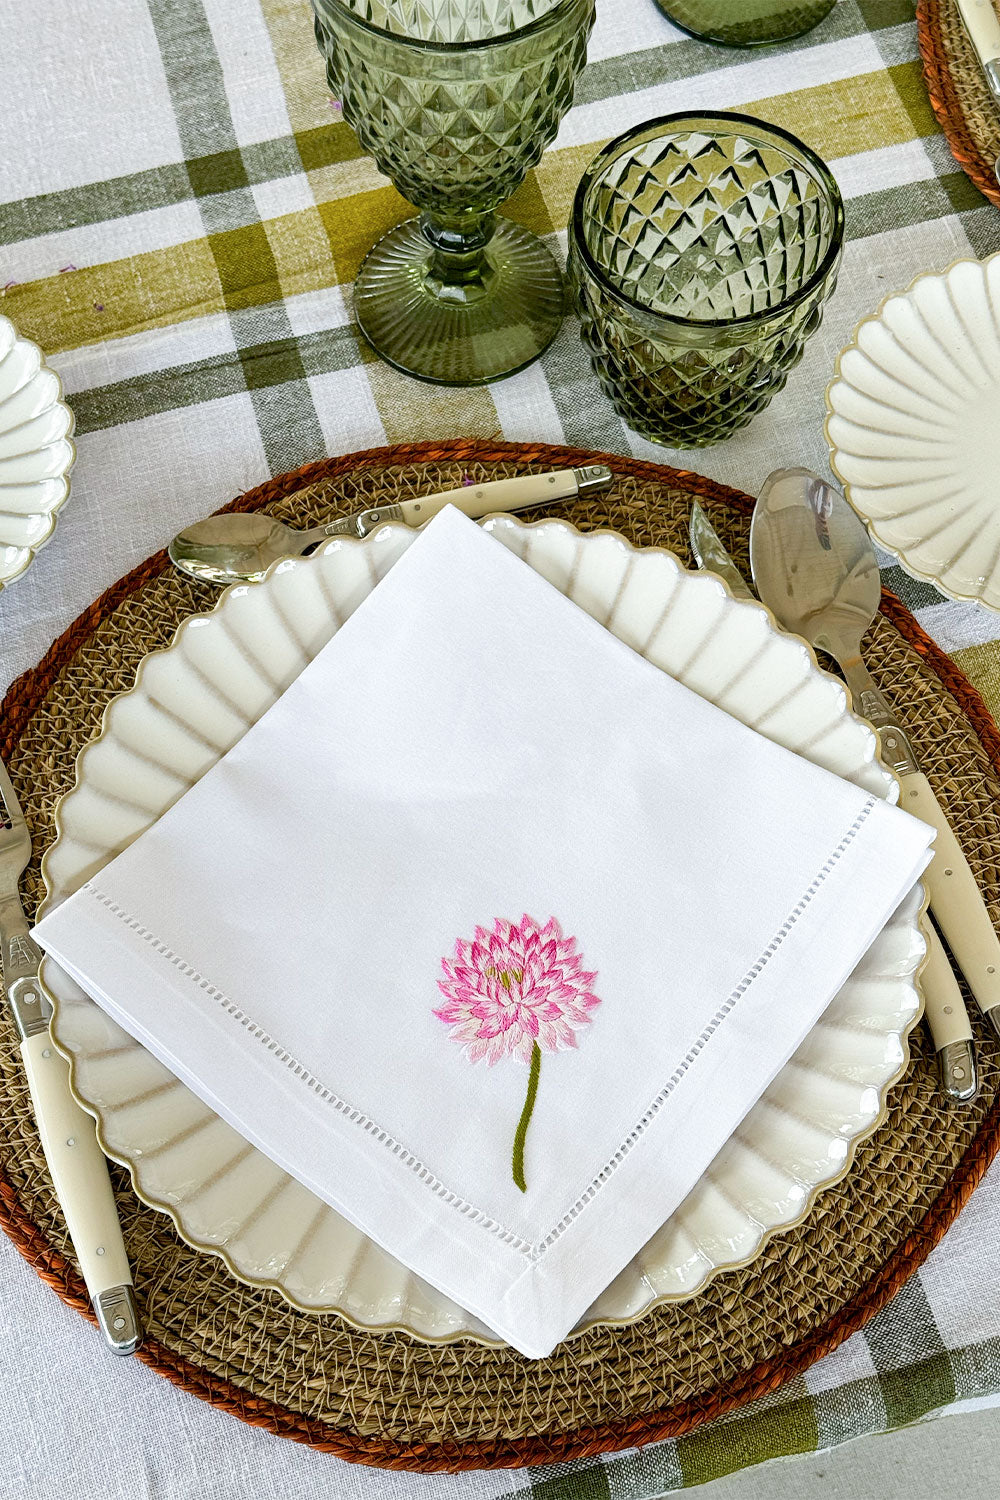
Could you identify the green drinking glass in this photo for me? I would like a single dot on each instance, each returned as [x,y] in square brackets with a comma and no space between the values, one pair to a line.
[746,23]
[702,250]
[456,100]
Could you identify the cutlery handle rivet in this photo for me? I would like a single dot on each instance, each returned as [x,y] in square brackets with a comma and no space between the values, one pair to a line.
[71,1140]
[99,1250]
[947,1010]
[46,1051]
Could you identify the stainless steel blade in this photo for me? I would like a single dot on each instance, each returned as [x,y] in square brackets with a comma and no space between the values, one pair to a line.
[710,553]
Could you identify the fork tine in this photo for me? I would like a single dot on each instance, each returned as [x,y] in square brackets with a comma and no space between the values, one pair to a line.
[8,797]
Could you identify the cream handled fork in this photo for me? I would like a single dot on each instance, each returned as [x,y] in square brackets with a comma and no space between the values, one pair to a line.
[69,1136]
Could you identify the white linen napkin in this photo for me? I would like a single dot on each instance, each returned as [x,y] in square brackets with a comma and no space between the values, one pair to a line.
[489,931]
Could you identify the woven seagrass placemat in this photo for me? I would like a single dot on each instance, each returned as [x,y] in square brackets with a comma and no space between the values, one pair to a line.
[384,1398]
[966,110]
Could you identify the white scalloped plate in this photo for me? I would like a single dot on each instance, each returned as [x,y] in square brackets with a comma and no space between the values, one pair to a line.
[36,454]
[194,700]
[913,427]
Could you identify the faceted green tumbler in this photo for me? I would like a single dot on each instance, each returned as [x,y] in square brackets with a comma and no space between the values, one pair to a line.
[456,100]
[702,250]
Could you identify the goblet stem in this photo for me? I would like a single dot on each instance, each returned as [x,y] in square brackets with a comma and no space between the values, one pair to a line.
[459,266]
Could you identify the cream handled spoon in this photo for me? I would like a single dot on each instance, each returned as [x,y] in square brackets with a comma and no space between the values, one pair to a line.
[815,568]
[240,546]
[946,1016]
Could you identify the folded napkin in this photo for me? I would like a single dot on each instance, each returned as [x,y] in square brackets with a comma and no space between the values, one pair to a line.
[489,931]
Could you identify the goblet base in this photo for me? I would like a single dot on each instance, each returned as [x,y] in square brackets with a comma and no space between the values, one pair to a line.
[459,334]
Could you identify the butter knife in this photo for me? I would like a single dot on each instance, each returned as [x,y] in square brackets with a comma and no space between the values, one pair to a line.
[944,1008]
[69,1136]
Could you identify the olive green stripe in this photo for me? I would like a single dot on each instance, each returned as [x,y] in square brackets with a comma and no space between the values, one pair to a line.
[583,1480]
[163,187]
[644,1472]
[586,416]
[855,1409]
[96,203]
[255,368]
[880,15]
[915,1389]
[913,1367]
[289,427]
[917,595]
[976,1369]
[632,72]
[847,1411]
[982,229]
[911,203]
[772,1432]
[268,161]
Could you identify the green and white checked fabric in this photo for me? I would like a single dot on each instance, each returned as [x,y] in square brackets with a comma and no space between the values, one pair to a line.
[182,213]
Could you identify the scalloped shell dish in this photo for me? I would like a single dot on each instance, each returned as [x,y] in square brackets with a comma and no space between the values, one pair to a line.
[36,454]
[913,427]
[195,699]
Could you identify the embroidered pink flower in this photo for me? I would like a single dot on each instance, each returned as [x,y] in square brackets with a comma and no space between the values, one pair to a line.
[517,991]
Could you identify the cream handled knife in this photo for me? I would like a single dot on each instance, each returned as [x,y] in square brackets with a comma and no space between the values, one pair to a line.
[983,27]
[69,1137]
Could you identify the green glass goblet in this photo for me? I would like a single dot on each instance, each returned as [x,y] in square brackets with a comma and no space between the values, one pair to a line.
[456,100]
[702,251]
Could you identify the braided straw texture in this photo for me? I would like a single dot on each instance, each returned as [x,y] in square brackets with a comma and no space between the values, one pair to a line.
[966,111]
[384,1399]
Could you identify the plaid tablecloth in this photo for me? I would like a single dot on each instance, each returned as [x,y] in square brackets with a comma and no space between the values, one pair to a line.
[183,212]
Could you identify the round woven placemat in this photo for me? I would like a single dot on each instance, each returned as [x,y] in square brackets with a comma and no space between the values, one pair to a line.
[965,108]
[384,1398]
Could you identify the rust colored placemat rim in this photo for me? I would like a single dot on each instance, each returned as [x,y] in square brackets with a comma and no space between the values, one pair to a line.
[29,691]
[945,102]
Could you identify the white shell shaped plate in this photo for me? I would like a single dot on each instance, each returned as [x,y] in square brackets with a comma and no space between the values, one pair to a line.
[36,453]
[194,700]
[913,427]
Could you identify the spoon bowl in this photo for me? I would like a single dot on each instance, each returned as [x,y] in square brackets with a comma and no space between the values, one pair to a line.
[241,545]
[814,564]
[815,568]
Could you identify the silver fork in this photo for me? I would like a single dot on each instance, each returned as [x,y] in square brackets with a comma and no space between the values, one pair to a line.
[69,1137]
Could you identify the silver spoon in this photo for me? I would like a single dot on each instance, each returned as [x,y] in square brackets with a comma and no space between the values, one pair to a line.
[815,568]
[238,546]
[241,545]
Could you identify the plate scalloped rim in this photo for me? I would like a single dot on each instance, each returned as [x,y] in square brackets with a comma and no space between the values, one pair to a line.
[922,575]
[470,1329]
[52,510]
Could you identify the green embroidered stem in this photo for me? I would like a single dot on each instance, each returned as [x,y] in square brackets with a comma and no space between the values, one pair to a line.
[523,1122]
